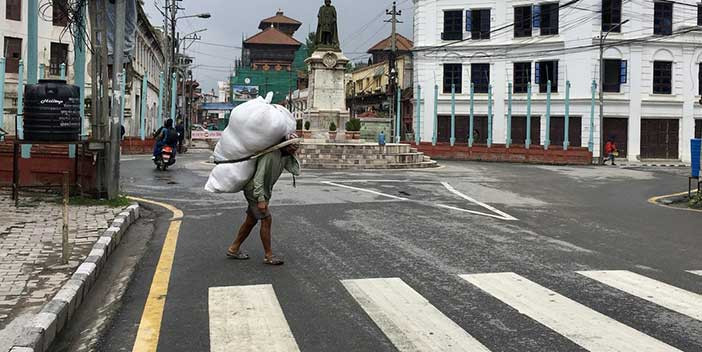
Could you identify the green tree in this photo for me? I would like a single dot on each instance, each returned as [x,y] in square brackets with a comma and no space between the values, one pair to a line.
[310,42]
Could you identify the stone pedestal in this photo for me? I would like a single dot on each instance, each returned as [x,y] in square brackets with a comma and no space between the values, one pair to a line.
[326,99]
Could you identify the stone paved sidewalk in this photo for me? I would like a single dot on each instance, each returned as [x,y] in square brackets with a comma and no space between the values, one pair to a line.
[31,271]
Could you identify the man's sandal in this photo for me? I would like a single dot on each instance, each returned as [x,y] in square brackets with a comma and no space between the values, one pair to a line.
[238,255]
[272,261]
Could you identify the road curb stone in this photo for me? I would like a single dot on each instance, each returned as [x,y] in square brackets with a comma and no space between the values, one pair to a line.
[41,331]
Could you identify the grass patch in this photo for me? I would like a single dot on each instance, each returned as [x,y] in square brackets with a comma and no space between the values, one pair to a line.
[119,202]
[696,201]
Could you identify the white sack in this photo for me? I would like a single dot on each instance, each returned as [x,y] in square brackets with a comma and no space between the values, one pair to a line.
[253,127]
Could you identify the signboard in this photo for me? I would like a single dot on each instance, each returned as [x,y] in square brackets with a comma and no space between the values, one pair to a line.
[244,92]
[206,134]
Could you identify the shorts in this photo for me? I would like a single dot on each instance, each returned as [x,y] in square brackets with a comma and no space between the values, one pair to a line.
[252,209]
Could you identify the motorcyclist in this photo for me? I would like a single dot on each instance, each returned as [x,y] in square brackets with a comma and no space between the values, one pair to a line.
[166,135]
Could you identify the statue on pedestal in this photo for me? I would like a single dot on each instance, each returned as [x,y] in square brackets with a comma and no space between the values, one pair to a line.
[327,35]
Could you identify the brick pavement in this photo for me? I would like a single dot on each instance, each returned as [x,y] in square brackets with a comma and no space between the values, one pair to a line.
[31,271]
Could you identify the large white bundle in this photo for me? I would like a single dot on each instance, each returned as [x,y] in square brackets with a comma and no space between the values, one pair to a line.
[253,127]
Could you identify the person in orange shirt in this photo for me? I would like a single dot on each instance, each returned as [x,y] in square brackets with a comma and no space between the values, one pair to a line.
[610,150]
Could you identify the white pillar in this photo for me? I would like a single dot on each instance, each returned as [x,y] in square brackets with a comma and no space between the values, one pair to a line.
[635,95]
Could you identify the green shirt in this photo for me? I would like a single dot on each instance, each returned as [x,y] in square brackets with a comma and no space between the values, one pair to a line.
[269,167]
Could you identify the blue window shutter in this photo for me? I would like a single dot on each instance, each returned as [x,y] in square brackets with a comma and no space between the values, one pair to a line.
[468,21]
[537,73]
[622,72]
[536,16]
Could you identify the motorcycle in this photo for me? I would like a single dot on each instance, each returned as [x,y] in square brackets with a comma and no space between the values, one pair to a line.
[165,158]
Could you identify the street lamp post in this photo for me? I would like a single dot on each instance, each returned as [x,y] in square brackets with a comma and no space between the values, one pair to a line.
[603,36]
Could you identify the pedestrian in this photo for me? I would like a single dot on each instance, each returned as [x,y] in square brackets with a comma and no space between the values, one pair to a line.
[181,135]
[381,142]
[610,151]
[258,194]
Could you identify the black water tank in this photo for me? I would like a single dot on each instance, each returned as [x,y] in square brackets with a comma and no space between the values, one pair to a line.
[51,111]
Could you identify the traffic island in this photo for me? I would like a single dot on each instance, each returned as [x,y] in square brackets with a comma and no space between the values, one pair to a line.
[40,293]
[682,200]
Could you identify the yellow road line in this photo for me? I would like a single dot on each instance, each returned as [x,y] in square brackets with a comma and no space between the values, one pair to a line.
[654,201]
[150,324]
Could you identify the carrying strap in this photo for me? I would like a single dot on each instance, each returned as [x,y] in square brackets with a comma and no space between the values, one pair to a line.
[264,152]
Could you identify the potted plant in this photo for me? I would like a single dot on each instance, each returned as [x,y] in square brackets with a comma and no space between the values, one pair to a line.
[349,130]
[307,134]
[332,131]
[356,128]
[298,127]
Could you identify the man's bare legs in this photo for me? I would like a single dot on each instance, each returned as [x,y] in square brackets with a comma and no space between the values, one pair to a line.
[244,232]
[266,236]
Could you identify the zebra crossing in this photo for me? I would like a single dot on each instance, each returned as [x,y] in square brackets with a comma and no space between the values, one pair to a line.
[250,318]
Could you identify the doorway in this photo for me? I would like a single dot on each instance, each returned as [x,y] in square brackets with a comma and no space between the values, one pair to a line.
[660,138]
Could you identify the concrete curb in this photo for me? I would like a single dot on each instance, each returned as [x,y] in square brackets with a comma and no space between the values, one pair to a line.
[38,335]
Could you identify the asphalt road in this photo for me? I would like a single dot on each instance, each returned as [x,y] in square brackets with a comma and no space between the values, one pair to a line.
[496,257]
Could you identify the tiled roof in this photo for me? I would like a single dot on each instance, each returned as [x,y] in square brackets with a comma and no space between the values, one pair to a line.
[280,18]
[403,44]
[272,36]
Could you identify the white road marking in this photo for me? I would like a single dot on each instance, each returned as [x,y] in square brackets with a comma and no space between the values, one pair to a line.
[582,325]
[248,318]
[696,272]
[473,212]
[502,214]
[364,190]
[409,320]
[662,294]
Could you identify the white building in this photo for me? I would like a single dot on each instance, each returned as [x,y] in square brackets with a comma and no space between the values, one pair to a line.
[55,46]
[223,92]
[148,57]
[652,69]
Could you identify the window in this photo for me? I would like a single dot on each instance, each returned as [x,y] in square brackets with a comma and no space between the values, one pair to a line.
[663,18]
[662,77]
[611,15]
[522,21]
[480,24]
[13,10]
[453,25]
[522,76]
[60,13]
[547,71]
[699,14]
[59,55]
[13,54]
[549,19]
[452,75]
[480,77]
[699,78]
[614,75]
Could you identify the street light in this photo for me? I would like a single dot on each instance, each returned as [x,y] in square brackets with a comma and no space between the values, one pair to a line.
[199,15]
[603,36]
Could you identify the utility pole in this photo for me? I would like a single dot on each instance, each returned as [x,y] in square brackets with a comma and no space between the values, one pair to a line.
[393,84]
[115,127]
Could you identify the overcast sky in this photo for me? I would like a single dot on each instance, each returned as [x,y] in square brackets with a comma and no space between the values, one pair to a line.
[360,26]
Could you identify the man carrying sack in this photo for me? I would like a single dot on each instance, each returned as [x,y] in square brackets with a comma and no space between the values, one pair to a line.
[258,192]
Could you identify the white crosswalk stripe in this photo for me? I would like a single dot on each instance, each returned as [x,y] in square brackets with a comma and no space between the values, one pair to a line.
[408,319]
[582,325]
[696,272]
[248,318]
[662,294]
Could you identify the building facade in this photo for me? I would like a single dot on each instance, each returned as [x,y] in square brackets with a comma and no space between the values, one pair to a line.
[652,60]
[147,59]
[55,47]
[269,62]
